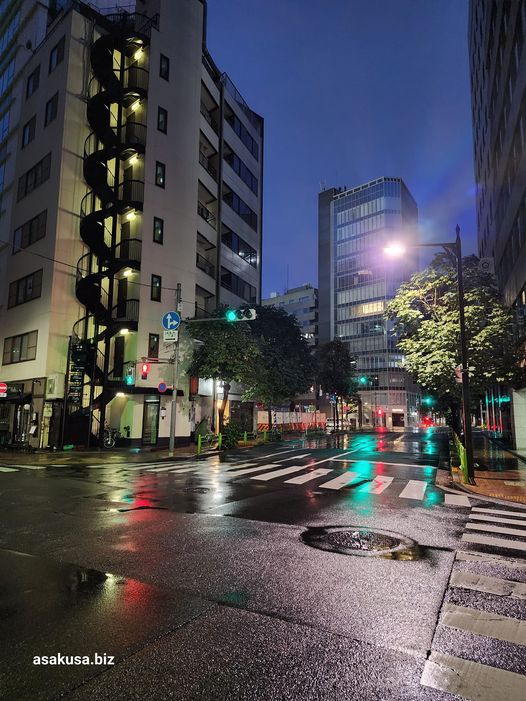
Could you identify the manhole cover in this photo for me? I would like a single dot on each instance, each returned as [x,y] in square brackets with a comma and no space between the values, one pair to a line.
[363,541]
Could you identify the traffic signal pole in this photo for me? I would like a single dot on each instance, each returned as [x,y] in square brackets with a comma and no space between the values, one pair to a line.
[175,378]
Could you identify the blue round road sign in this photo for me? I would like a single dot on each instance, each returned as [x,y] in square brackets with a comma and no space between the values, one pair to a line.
[171,321]
[162,387]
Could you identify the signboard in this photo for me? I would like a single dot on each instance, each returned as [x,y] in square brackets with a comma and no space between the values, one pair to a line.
[3,388]
[172,335]
[162,387]
[171,321]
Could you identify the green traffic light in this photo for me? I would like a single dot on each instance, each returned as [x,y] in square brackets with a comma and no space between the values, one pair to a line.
[428,401]
[231,315]
[363,380]
[130,380]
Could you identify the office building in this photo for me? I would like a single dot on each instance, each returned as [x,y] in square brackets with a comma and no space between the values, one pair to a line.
[302,303]
[355,283]
[130,165]
[498,93]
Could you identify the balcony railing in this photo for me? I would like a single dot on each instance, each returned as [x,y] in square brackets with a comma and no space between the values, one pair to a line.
[206,214]
[206,114]
[205,162]
[205,265]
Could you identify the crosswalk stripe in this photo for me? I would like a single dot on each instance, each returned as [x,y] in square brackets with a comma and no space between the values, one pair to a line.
[415,489]
[488,585]
[297,457]
[498,542]
[173,468]
[496,519]
[456,500]
[491,625]
[278,473]
[281,452]
[333,457]
[235,466]
[494,529]
[312,475]
[8,469]
[472,680]
[376,486]
[250,470]
[499,512]
[340,481]
[382,462]
[496,559]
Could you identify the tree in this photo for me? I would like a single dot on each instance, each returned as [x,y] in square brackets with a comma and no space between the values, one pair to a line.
[335,371]
[426,320]
[227,352]
[285,366]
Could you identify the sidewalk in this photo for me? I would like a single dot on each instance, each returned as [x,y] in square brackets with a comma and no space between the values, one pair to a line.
[500,473]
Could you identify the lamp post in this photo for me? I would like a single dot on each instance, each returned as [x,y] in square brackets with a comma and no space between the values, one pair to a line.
[456,249]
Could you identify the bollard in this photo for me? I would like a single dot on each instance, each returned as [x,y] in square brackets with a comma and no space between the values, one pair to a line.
[265,436]
[245,438]
[219,441]
[199,439]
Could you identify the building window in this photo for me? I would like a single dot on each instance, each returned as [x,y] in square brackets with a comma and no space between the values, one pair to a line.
[28,132]
[240,207]
[34,177]
[155,288]
[164,67]
[17,349]
[231,281]
[153,345]
[244,135]
[57,55]
[33,230]
[32,82]
[162,120]
[241,169]
[51,109]
[239,246]
[25,289]
[158,229]
[160,173]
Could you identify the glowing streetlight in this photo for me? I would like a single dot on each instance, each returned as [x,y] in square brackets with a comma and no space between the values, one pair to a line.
[395,250]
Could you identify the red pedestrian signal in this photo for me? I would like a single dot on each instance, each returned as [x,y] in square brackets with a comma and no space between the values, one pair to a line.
[379,412]
[145,369]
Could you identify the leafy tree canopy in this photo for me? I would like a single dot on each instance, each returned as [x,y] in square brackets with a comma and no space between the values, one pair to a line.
[335,369]
[426,320]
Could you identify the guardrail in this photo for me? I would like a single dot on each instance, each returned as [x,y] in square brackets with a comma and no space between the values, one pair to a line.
[208,440]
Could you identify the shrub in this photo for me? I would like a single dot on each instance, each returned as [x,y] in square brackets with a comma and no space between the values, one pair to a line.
[232,433]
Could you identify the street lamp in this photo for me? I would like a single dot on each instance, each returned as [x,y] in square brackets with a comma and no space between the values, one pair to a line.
[398,249]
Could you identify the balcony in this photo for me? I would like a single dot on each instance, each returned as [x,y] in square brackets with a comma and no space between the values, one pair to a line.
[206,214]
[205,162]
[203,264]
[206,114]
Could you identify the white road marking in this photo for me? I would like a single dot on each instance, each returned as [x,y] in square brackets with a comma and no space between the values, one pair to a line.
[29,467]
[494,529]
[488,585]
[497,512]
[281,452]
[515,483]
[297,457]
[312,475]
[472,680]
[340,481]
[278,473]
[415,489]
[495,519]
[334,457]
[376,486]
[491,625]
[8,469]
[498,542]
[381,462]
[235,466]
[249,470]
[173,468]
[456,500]
[497,559]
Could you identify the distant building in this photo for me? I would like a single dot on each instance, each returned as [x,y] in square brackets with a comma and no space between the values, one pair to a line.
[497,52]
[356,281]
[129,164]
[301,302]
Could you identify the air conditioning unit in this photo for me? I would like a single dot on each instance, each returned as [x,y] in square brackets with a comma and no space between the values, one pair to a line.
[55,386]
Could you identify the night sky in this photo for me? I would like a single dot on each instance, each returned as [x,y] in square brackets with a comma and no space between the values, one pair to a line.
[351,90]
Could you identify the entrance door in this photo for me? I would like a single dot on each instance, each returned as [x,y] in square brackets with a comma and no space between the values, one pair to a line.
[150,420]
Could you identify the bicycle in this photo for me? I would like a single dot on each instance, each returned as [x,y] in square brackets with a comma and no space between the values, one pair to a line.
[111,436]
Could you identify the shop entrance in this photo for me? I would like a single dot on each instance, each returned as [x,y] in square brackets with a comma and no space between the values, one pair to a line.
[150,420]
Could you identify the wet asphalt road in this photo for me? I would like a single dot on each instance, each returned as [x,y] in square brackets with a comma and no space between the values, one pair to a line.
[193,575]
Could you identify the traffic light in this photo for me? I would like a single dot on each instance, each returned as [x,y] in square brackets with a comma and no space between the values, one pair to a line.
[145,369]
[379,412]
[130,376]
[363,380]
[428,401]
[240,314]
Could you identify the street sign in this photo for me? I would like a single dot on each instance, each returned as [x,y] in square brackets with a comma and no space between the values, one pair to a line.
[162,387]
[172,335]
[171,321]
[3,388]
[3,394]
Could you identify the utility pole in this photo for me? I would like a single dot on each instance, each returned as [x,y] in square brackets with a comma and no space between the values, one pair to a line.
[175,376]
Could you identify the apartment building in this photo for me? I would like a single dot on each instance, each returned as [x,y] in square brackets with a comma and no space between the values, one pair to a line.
[302,303]
[132,166]
[496,38]
[355,283]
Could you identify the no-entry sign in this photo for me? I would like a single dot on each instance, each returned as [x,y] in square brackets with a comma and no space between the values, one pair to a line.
[3,387]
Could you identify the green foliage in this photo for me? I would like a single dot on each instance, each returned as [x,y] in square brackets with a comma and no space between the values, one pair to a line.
[335,369]
[232,434]
[284,366]
[426,315]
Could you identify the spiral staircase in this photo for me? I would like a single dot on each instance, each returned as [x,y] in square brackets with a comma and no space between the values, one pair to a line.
[116,136]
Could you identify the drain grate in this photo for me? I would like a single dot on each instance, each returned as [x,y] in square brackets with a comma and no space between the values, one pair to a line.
[362,541]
